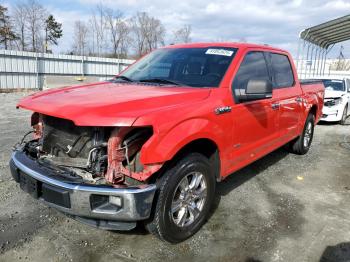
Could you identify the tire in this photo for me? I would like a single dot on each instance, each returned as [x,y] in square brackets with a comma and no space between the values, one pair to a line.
[301,144]
[344,116]
[171,221]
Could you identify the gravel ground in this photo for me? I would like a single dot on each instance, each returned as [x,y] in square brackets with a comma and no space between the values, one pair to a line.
[283,207]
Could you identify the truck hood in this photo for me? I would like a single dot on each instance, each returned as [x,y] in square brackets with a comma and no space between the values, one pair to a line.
[332,94]
[109,104]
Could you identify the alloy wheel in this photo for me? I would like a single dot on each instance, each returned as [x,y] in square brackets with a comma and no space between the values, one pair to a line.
[189,199]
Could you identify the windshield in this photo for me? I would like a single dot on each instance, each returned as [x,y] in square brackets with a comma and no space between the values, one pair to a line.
[334,85]
[195,67]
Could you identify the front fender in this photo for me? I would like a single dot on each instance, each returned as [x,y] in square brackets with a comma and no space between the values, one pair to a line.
[163,147]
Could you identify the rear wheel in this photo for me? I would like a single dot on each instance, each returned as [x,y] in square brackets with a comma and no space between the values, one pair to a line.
[344,116]
[185,196]
[301,145]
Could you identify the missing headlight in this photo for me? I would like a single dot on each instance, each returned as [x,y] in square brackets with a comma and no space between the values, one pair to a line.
[333,101]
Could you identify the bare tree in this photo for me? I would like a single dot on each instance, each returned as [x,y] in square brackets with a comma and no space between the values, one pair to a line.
[156,34]
[148,32]
[182,35]
[20,20]
[35,16]
[99,26]
[139,33]
[125,39]
[80,38]
[118,31]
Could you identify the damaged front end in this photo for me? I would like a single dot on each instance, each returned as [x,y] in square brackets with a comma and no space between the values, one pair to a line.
[94,155]
[91,173]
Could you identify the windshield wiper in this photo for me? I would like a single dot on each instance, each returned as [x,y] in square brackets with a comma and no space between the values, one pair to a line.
[124,78]
[160,81]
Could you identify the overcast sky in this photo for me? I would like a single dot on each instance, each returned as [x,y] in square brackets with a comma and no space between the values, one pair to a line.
[274,22]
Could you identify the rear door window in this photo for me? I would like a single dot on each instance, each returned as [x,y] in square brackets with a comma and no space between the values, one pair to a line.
[282,73]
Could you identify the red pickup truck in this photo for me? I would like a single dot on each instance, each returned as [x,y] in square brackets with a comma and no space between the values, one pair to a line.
[149,145]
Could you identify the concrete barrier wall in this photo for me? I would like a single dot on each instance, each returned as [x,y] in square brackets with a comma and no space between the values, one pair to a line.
[28,70]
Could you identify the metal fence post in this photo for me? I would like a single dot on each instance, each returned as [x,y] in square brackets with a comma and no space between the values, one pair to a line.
[298,52]
[314,69]
[82,67]
[37,71]
[318,60]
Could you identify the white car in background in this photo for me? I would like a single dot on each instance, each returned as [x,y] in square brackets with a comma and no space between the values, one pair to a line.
[336,100]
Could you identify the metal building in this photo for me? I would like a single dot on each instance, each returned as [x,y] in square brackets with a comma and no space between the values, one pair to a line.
[316,42]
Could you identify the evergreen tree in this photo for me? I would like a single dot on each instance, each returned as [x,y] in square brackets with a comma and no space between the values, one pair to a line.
[53,31]
[6,34]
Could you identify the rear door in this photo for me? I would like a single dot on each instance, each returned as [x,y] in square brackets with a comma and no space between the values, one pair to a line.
[288,94]
[255,128]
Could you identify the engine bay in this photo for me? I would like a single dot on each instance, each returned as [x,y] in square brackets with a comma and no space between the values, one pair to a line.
[93,155]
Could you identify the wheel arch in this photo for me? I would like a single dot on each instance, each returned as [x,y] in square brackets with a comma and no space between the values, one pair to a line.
[347,106]
[206,147]
[313,110]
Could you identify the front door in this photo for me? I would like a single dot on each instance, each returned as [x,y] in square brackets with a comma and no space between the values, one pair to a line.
[255,129]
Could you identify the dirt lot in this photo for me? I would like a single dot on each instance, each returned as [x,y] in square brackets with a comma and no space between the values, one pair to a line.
[282,208]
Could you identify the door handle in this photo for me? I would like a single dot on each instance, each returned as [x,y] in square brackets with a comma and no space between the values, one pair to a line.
[275,106]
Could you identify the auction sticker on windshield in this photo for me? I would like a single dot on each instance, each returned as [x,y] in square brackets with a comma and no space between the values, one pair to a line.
[219,52]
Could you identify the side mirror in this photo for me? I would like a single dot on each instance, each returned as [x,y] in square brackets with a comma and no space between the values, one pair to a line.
[257,89]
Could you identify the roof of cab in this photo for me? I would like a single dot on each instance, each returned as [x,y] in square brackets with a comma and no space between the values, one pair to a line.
[224,44]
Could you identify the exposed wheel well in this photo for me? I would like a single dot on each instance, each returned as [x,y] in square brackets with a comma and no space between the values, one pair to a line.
[313,110]
[204,146]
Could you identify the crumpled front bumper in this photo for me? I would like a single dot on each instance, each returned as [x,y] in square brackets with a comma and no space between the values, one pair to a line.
[333,113]
[102,206]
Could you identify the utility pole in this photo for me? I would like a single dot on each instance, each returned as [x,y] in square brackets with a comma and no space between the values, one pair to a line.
[340,59]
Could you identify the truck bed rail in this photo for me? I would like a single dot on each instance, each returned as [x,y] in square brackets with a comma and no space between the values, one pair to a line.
[310,81]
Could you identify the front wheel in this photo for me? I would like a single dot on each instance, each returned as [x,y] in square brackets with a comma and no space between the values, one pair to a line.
[301,144]
[185,196]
